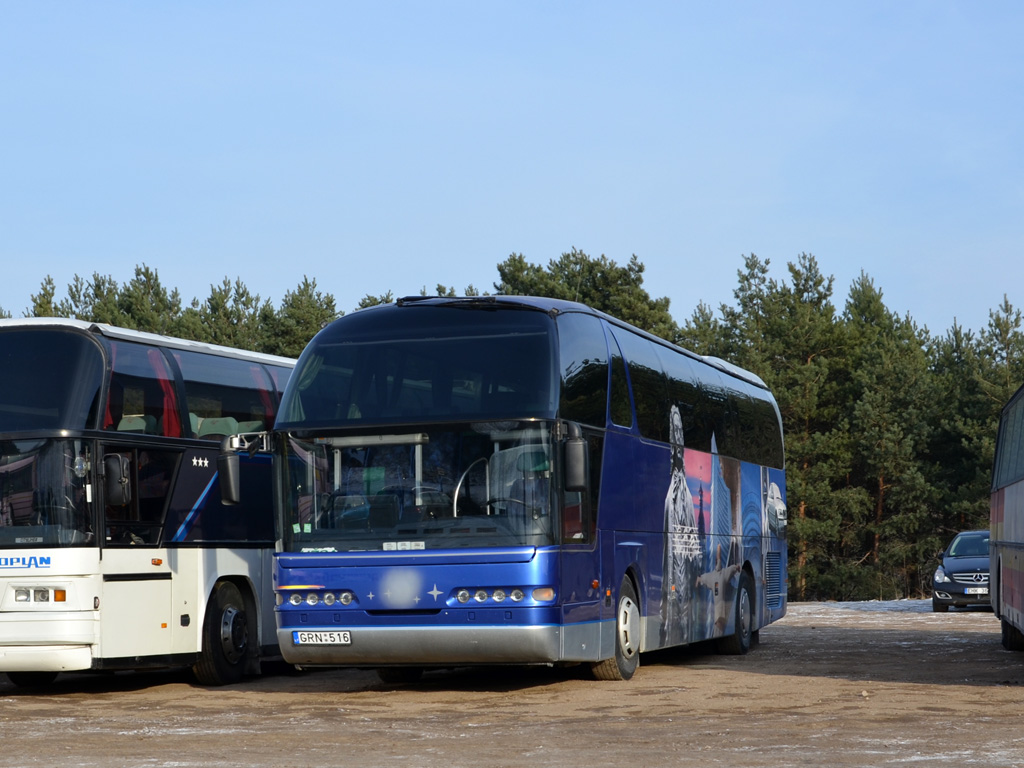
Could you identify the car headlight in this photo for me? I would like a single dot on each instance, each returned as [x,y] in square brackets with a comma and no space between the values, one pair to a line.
[940,575]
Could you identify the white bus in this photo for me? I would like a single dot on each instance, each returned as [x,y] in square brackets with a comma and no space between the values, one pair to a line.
[115,550]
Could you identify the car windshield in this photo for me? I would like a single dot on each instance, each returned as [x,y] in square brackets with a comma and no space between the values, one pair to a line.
[475,485]
[969,545]
[43,494]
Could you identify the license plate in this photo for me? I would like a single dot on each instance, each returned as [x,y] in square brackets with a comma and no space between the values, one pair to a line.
[322,638]
[976,591]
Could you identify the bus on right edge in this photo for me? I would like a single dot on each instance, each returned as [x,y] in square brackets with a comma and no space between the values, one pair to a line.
[1006,564]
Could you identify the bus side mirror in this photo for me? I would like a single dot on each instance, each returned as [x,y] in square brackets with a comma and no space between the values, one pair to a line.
[227,467]
[117,470]
[576,460]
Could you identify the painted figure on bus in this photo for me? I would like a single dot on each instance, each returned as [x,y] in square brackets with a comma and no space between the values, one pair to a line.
[721,583]
[682,547]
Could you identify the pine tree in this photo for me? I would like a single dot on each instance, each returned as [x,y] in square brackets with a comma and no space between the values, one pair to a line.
[303,313]
[146,305]
[599,283]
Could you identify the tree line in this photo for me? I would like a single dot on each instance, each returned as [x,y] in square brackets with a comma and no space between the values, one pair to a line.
[890,430]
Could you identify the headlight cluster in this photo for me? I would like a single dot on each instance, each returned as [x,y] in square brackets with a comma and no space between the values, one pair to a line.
[39,595]
[940,575]
[516,595]
[313,599]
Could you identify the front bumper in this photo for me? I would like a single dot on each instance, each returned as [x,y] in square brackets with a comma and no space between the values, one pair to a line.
[956,595]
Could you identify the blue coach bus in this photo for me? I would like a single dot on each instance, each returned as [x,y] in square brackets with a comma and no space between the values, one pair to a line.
[520,480]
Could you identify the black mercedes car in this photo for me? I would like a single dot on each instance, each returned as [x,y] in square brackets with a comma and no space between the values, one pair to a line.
[962,577]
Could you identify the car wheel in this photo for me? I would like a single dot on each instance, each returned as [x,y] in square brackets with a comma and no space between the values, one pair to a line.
[938,607]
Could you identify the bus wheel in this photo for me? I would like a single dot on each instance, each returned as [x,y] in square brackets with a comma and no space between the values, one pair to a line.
[627,638]
[399,675]
[31,679]
[225,638]
[740,640]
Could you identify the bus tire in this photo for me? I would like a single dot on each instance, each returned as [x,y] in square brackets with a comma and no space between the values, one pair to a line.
[31,679]
[1011,637]
[741,639]
[627,638]
[225,638]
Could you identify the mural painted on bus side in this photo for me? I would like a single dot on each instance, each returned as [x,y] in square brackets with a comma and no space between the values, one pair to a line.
[716,509]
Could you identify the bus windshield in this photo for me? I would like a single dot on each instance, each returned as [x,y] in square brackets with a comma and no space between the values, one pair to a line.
[43,494]
[422,364]
[484,484]
[49,379]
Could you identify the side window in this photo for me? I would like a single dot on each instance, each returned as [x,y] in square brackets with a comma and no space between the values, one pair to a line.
[650,393]
[619,408]
[1009,458]
[761,436]
[713,409]
[142,396]
[280,377]
[226,395]
[583,367]
[148,475]
[685,394]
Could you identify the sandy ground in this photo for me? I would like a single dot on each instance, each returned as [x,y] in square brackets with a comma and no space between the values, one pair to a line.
[853,684]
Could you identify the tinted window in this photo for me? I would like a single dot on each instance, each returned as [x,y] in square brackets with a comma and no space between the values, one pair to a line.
[620,409]
[583,364]
[406,364]
[226,395]
[685,394]
[140,521]
[1009,462]
[142,396]
[650,393]
[740,415]
[49,379]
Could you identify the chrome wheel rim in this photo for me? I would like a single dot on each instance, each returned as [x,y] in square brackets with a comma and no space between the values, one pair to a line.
[232,634]
[629,627]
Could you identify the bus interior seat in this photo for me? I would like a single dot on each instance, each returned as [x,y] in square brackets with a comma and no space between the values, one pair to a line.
[194,421]
[256,425]
[218,426]
[137,424]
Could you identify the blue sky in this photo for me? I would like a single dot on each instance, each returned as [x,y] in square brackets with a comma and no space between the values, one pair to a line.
[393,146]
